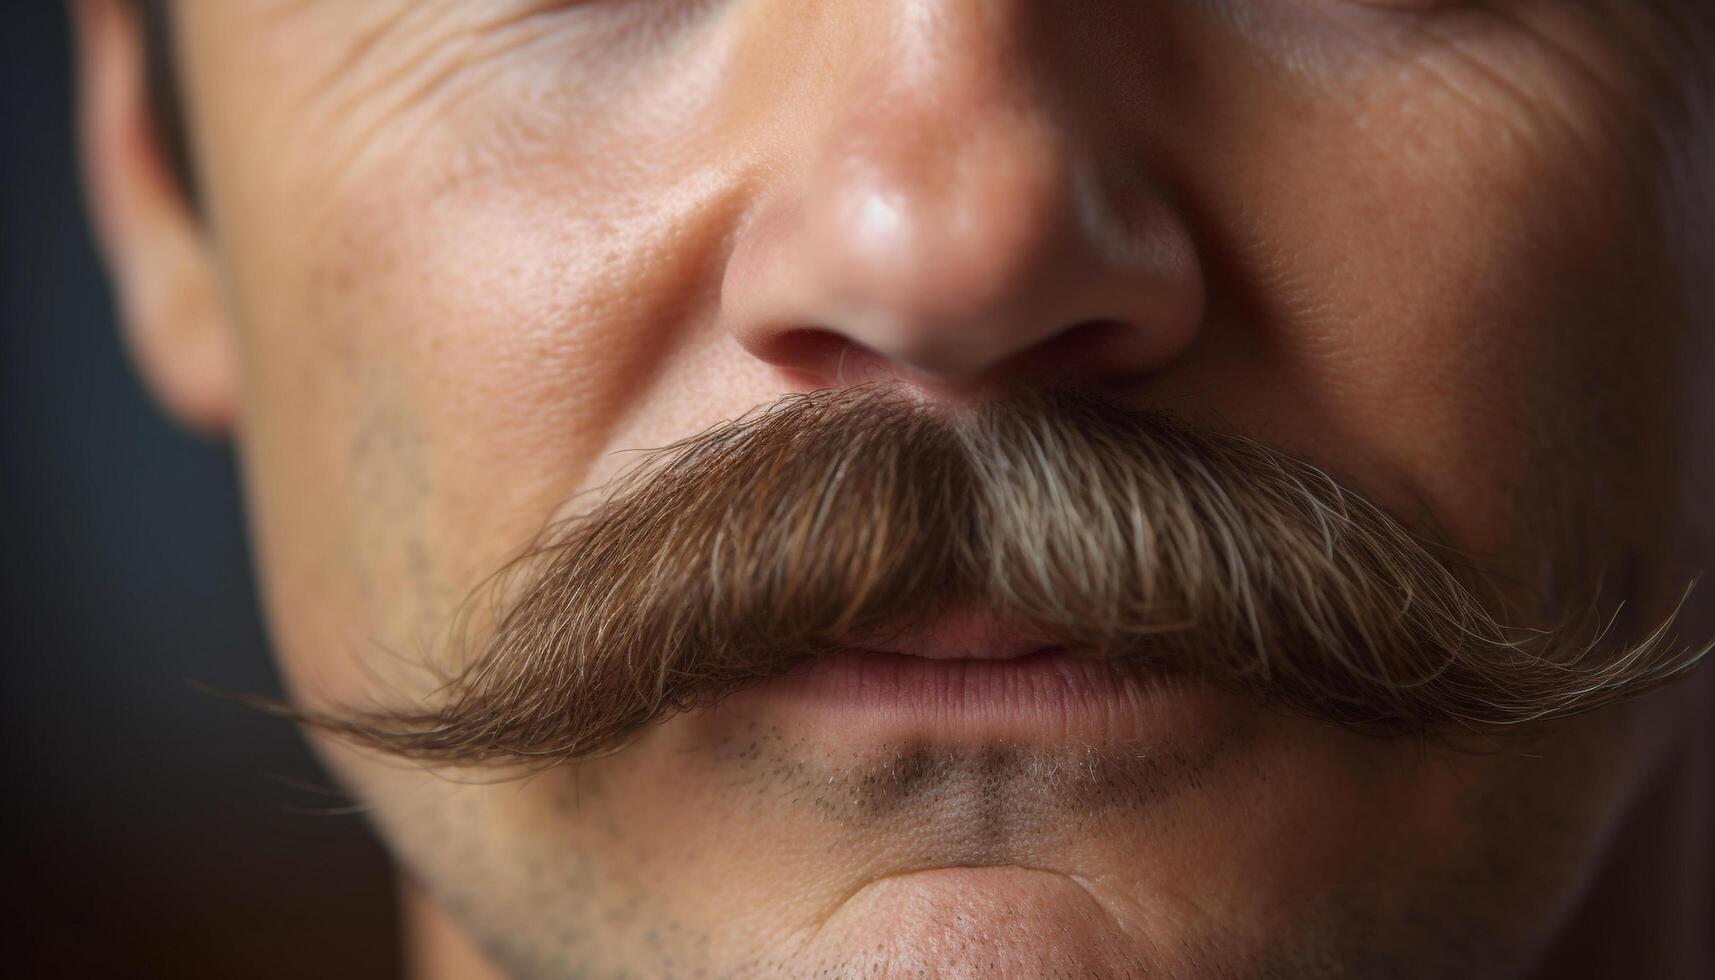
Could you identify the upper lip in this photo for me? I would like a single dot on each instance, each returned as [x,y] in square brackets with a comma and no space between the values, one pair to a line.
[962,633]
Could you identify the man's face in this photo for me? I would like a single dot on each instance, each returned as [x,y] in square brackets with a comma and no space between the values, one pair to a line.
[473,251]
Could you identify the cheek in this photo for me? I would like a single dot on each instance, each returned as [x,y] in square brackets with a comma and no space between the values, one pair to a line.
[429,378]
[1420,274]
[447,314]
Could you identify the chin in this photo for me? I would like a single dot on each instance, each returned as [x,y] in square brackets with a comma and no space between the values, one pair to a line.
[978,922]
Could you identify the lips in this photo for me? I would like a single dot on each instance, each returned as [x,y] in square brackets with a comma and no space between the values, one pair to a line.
[972,676]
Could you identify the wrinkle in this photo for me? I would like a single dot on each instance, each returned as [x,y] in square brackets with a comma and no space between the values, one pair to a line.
[429,60]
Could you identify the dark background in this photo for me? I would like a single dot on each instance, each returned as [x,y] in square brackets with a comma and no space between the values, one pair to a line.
[150,830]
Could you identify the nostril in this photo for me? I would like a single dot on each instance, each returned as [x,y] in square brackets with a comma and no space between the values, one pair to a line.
[1098,351]
[820,356]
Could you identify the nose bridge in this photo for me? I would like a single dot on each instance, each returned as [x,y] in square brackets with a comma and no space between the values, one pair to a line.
[950,102]
[962,53]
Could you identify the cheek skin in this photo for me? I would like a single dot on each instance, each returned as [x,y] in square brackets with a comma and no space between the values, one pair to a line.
[481,298]
[1420,287]
[459,302]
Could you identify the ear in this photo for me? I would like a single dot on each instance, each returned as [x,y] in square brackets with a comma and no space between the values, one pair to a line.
[157,250]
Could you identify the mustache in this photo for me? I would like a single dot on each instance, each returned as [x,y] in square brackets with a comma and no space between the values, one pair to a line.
[755,547]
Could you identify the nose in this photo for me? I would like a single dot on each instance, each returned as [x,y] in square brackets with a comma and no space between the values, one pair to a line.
[953,224]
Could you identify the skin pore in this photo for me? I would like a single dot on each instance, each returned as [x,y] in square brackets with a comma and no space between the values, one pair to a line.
[456,258]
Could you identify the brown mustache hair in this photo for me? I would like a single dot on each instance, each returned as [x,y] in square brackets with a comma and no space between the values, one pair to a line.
[753,548]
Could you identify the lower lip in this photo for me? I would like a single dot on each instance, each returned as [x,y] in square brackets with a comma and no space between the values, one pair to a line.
[1049,698]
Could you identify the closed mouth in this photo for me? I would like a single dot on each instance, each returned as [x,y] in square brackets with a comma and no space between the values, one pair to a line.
[972,678]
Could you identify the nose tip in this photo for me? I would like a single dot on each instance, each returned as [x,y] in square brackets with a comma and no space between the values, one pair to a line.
[961,234]
[931,274]
[1008,268]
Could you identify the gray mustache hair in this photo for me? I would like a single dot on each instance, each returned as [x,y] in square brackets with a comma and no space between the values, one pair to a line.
[755,547]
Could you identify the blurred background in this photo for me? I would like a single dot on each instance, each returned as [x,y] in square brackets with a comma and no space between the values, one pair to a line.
[152,831]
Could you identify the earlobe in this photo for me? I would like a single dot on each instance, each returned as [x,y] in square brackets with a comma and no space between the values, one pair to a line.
[158,254]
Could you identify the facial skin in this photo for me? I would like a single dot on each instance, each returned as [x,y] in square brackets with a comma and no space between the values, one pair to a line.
[454,256]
